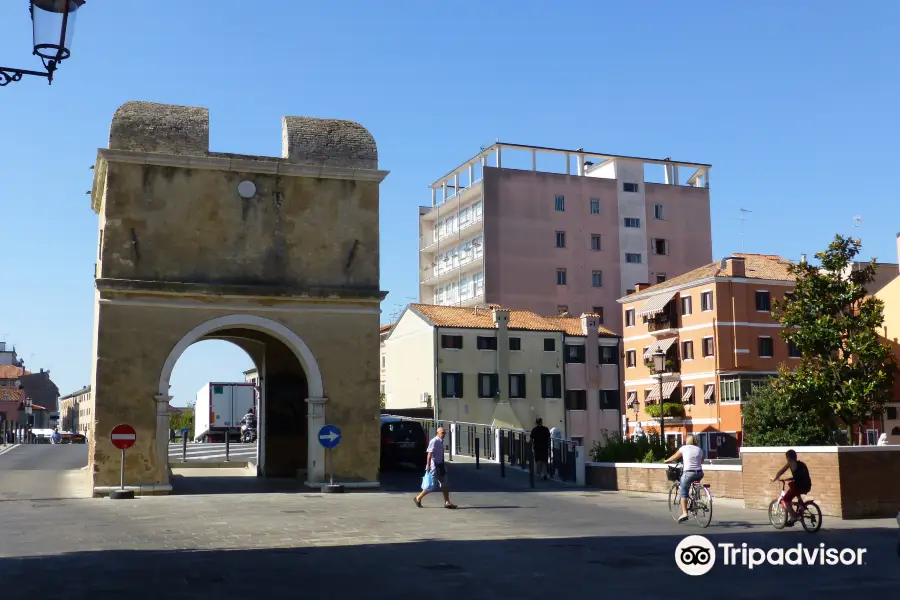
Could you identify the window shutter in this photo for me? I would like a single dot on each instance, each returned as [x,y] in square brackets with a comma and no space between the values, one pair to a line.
[653,245]
[444,385]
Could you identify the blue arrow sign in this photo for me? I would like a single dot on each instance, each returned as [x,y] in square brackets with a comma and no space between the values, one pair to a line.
[329,436]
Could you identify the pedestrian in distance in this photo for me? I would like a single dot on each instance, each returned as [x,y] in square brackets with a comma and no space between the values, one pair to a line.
[540,448]
[437,468]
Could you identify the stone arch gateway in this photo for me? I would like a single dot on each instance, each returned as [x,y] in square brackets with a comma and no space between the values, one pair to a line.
[277,255]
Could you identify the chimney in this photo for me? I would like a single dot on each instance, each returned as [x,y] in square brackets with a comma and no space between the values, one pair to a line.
[501,317]
[803,257]
[639,287]
[590,323]
[736,267]
[898,247]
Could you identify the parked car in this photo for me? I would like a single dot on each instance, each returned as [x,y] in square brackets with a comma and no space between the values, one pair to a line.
[402,441]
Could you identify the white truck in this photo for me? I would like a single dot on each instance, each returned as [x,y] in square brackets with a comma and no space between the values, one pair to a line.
[219,410]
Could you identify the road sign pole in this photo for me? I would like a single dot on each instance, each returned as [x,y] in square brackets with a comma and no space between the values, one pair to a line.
[122,474]
[122,437]
[331,467]
[329,438]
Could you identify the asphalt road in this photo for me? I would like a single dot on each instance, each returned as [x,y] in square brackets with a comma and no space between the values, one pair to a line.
[43,471]
[504,541]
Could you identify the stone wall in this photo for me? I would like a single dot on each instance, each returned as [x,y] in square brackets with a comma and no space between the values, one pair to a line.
[724,480]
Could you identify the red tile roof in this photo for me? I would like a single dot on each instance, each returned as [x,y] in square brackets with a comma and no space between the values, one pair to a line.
[386,328]
[757,266]
[11,395]
[482,318]
[12,371]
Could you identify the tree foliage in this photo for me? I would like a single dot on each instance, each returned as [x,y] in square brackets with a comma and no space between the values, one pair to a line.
[834,324]
[184,420]
[383,400]
[788,412]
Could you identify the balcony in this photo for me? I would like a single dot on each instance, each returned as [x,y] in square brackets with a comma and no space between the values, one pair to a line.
[662,324]
[430,242]
[432,275]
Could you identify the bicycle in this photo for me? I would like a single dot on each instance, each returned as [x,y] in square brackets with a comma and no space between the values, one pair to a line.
[700,502]
[808,512]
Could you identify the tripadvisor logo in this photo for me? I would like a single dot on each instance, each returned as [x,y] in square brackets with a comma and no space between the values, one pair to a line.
[696,555]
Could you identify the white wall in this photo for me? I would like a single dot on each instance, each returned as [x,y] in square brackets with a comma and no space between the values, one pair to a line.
[409,363]
[632,240]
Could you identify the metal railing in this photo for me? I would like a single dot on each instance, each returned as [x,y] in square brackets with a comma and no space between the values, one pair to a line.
[466,436]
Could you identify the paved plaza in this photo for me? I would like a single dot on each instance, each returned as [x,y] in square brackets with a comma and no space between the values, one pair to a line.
[226,534]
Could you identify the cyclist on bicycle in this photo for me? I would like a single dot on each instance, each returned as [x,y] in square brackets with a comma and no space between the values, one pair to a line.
[692,457]
[801,483]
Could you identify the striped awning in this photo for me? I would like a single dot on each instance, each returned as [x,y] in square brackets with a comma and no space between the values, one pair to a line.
[668,388]
[662,345]
[655,304]
[688,394]
[631,398]
[708,392]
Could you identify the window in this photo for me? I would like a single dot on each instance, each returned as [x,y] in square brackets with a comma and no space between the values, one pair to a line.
[515,343]
[632,258]
[486,343]
[488,385]
[562,309]
[595,206]
[560,203]
[573,354]
[629,317]
[551,386]
[706,301]
[598,310]
[793,350]
[708,347]
[597,278]
[451,342]
[738,389]
[871,437]
[790,296]
[517,385]
[709,393]
[576,399]
[891,413]
[549,345]
[688,395]
[765,347]
[660,246]
[560,277]
[595,242]
[763,302]
[686,306]
[609,400]
[451,385]
[629,291]
[687,350]
[630,358]
[660,277]
[632,222]
[630,187]
[560,239]
[609,355]
[659,212]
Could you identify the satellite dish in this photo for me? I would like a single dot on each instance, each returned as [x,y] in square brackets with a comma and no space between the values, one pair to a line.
[857,221]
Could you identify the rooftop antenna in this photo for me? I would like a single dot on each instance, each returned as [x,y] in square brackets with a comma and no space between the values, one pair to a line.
[743,218]
[857,223]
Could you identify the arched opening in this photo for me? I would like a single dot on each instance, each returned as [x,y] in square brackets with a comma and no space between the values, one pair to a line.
[287,378]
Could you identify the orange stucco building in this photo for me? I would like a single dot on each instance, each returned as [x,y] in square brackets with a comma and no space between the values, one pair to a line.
[716,328]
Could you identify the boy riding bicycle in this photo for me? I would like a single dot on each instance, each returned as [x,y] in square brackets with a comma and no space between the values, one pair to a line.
[801,483]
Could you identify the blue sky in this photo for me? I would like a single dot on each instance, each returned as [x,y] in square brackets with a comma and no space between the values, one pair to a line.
[795,107]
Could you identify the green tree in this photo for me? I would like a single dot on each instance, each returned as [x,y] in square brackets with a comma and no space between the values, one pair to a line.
[834,324]
[184,420]
[787,411]
[383,400]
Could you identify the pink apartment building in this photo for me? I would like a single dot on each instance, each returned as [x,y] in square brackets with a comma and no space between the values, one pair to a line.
[574,239]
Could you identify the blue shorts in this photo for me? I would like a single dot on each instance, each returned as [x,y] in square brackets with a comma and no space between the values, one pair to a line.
[687,479]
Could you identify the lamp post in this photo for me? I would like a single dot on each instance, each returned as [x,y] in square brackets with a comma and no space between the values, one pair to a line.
[53,25]
[659,367]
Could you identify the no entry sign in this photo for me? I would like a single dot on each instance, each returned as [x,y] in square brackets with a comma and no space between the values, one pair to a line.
[123,436]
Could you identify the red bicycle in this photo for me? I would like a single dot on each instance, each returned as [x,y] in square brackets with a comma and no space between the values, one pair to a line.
[808,512]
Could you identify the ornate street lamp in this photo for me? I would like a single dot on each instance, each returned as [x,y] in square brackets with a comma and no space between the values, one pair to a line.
[53,24]
[659,367]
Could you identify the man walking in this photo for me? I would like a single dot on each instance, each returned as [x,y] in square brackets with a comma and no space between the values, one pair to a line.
[540,447]
[434,462]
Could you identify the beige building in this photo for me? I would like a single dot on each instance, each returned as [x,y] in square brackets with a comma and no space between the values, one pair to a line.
[76,412]
[500,367]
[890,294]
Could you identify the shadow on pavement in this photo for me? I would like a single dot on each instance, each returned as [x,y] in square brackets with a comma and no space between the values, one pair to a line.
[632,567]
